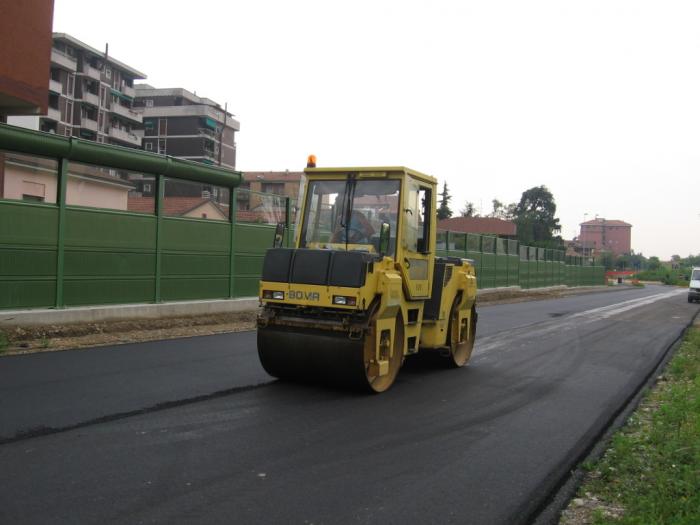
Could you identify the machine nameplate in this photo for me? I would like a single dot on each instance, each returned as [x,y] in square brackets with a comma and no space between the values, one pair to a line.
[308,296]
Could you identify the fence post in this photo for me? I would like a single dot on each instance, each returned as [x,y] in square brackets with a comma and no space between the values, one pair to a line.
[61,237]
[160,196]
[232,252]
[287,220]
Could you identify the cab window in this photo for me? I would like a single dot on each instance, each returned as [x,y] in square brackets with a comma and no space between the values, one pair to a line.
[418,208]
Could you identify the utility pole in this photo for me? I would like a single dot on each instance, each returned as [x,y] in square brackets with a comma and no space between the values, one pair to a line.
[221,135]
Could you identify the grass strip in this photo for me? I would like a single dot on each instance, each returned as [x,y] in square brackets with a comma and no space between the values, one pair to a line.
[650,474]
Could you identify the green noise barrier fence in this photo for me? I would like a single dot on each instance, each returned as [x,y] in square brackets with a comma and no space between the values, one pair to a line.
[504,262]
[83,223]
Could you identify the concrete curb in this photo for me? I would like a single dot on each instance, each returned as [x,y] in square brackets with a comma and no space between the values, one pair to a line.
[93,314]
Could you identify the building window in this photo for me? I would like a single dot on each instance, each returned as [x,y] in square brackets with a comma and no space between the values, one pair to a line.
[148,146]
[32,198]
[108,72]
[162,126]
[161,146]
[273,187]
[149,102]
[70,83]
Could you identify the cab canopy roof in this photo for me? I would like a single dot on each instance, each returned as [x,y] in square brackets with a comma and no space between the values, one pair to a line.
[373,171]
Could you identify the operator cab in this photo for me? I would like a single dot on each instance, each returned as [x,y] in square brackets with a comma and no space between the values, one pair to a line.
[349,214]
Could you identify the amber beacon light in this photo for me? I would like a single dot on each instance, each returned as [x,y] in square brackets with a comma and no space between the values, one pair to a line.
[311,161]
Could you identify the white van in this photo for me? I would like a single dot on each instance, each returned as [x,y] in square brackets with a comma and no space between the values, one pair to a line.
[694,287]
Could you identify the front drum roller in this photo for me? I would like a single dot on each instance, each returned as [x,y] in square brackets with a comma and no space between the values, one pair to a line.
[461,342]
[331,358]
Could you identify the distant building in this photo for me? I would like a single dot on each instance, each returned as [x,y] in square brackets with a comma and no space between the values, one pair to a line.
[25,40]
[253,206]
[483,225]
[90,95]
[181,124]
[606,235]
[284,183]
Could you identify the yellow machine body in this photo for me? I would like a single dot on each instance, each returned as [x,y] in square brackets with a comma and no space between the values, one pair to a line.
[362,287]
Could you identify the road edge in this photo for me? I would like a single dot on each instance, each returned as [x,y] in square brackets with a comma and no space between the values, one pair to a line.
[568,478]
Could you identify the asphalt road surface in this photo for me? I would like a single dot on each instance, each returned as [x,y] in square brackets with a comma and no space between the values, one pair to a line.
[194,431]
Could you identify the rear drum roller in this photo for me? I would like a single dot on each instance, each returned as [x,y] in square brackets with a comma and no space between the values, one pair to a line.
[460,344]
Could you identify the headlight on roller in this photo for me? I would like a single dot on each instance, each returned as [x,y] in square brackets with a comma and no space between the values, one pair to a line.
[344,300]
[270,294]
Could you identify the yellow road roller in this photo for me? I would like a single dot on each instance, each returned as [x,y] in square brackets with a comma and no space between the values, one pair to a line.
[362,286]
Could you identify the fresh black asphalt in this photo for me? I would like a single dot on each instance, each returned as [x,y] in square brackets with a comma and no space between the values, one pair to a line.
[483,444]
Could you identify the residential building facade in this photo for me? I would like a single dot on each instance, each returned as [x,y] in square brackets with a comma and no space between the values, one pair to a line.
[90,95]
[25,40]
[600,234]
[285,183]
[181,124]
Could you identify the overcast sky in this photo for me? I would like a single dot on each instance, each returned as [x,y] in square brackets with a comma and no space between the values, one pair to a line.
[597,100]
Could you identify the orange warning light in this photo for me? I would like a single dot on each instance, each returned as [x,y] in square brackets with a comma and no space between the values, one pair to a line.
[311,161]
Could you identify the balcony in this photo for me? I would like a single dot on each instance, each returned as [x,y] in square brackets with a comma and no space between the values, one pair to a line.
[124,136]
[55,87]
[128,91]
[125,112]
[62,60]
[88,123]
[91,98]
[89,71]
[196,110]
[208,133]
[54,114]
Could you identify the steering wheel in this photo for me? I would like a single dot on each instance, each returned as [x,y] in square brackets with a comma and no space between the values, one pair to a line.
[355,235]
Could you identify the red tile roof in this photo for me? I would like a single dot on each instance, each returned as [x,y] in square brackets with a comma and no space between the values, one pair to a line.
[606,222]
[486,225]
[172,206]
[272,176]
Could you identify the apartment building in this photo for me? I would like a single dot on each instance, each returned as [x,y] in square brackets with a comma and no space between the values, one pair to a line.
[179,123]
[606,235]
[91,95]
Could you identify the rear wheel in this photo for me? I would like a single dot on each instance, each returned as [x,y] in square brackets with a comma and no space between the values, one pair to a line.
[392,355]
[461,342]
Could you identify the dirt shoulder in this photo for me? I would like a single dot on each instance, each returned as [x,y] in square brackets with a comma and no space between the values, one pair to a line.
[16,340]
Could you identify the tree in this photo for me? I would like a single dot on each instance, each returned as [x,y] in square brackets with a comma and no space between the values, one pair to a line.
[444,211]
[497,206]
[468,211]
[654,263]
[535,218]
[606,259]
